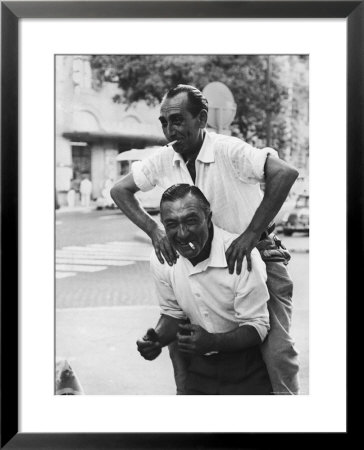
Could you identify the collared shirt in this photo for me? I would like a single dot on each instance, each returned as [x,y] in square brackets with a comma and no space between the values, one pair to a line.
[228,171]
[209,295]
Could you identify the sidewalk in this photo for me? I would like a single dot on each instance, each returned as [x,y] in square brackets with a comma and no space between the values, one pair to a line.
[100,345]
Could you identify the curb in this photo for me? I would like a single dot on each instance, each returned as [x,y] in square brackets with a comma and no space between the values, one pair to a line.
[84,209]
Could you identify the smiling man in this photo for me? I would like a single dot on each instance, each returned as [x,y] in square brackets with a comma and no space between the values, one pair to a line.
[227,314]
[229,172]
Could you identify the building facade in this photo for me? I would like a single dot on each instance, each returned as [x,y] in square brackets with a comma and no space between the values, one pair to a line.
[91,129]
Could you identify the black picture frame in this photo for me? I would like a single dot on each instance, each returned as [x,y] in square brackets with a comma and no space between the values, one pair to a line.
[11,12]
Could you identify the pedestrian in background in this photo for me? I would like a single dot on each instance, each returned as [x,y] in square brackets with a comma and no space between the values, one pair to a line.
[85,190]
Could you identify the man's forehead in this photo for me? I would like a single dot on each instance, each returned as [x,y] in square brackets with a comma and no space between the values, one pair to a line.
[186,205]
[175,104]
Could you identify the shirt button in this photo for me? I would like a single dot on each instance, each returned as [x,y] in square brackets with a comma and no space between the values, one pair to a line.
[197,294]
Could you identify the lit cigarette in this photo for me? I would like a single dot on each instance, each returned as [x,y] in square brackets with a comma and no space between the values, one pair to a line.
[171,143]
[191,245]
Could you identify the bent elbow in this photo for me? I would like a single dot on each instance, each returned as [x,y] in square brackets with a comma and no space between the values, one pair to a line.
[118,192]
[114,191]
[289,173]
[293,173]
[279,169]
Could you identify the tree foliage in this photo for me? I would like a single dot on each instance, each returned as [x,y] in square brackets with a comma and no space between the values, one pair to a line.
[148,77]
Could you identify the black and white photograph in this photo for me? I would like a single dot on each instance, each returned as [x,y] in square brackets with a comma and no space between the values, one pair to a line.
[182,189]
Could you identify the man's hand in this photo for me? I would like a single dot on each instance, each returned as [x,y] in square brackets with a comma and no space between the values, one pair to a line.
[149,347]
[240,247]
[193,339]
[163,247]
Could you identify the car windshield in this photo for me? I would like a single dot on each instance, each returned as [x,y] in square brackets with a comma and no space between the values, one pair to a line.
[302,201]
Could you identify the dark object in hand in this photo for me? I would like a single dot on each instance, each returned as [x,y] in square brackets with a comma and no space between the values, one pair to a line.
[151,335]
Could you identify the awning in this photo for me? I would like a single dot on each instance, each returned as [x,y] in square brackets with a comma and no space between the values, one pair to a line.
[137,155]
[127,139]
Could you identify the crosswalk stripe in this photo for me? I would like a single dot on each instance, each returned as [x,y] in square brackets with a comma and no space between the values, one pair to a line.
[144,243]
[112,245]
[111,249]
[78,268]
[85,262]
[65,274]
[101,256]
[90,252]
[109,218]
[74,259]
[107,251]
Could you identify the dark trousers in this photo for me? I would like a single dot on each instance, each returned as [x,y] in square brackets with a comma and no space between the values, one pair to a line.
[235,373]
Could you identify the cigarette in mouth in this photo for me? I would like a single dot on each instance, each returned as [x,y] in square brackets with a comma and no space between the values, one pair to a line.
[171,143]
[191,245]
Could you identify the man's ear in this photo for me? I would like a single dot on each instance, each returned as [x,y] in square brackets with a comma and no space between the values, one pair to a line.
[209,220]
[203,118]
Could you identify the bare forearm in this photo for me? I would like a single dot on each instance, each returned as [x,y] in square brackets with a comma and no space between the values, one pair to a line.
[199,341]
[241,338]
[166,329]
[279,180]
[123,194]
[129,204]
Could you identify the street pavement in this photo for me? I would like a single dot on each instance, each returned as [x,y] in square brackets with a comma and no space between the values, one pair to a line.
[105,301]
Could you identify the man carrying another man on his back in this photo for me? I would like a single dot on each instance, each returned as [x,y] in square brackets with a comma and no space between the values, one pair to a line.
[229,172]
[228,314]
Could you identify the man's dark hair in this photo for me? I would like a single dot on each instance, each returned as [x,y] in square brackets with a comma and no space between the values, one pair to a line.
[196,100]
[178,191]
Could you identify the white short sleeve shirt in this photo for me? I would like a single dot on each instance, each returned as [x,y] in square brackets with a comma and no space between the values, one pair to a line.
[228,171]
[209,295]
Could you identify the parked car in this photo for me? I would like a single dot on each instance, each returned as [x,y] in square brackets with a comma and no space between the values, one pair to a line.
[297,220]
[287,206]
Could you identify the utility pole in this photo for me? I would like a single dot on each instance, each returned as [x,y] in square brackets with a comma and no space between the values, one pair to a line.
[269,110]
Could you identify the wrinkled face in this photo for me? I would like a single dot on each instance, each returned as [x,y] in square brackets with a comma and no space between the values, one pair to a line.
[179,124]
[186,222]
